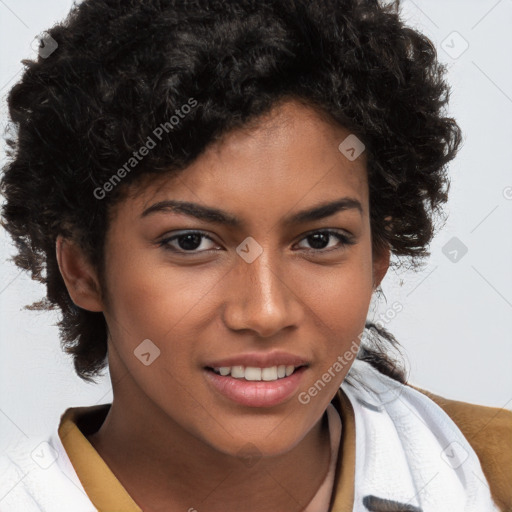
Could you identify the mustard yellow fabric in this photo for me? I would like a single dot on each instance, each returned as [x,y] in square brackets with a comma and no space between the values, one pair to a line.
[101,485]
[342,499]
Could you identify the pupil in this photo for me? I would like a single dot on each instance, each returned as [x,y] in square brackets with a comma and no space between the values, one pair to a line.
[190,246]
[323,238]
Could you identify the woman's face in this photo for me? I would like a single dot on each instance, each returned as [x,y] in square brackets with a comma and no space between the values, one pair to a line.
[273,289]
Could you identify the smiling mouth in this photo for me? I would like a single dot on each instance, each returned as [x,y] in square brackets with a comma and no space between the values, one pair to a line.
[255,374]
[253,386]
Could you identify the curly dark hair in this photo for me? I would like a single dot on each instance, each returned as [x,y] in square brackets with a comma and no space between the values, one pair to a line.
[124,67]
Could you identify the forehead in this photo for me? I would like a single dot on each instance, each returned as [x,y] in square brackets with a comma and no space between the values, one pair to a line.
[289,156]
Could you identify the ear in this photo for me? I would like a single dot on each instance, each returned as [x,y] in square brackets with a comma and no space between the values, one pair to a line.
[79,276]
[381,259]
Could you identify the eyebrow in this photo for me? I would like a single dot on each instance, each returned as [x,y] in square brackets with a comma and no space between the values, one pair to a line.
[217,216]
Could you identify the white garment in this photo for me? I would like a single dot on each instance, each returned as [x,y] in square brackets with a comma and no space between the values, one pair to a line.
[408,451]
[37,476]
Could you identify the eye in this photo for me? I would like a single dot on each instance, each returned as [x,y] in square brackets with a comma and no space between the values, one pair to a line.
[319,240]
[187,242]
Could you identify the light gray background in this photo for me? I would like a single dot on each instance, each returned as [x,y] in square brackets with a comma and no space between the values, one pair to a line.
[456,321]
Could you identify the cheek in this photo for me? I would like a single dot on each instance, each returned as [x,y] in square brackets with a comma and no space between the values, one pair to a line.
[157,300]
[340,294]
[338,299]
[159,303]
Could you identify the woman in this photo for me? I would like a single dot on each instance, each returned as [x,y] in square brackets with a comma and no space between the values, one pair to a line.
[215,204]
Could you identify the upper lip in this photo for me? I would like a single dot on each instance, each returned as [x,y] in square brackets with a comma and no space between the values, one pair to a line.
[259,360]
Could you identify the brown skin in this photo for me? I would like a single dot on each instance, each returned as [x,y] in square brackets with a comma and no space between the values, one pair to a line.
[170,438]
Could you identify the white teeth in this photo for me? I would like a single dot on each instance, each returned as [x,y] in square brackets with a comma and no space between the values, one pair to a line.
[238,372]
[269,373]
[253,373]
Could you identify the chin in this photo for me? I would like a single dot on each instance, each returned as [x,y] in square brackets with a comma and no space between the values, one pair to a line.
[257,446]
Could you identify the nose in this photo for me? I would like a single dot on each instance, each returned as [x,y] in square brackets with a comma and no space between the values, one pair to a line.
[261,297]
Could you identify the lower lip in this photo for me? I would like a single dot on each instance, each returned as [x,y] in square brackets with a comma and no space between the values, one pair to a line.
[256,393]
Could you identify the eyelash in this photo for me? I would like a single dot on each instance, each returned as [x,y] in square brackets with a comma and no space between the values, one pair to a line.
[344,239]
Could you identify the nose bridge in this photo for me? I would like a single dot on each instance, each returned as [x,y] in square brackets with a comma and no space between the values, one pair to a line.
[263,278]
[262,300]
